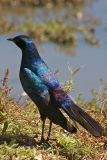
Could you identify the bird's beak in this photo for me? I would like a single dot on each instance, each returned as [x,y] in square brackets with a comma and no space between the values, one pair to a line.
[10,39]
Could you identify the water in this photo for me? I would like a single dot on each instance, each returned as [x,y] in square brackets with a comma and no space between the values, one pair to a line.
[93,58]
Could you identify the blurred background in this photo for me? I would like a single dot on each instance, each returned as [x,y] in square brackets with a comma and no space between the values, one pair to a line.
[66,32]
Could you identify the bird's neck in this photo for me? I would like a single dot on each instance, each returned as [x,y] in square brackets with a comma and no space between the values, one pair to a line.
[30,55]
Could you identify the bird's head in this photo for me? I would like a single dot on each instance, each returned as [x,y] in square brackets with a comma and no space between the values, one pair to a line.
[21,41]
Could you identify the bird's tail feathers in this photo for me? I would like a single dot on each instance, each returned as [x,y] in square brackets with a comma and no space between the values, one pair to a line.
[69,127]
[84,119]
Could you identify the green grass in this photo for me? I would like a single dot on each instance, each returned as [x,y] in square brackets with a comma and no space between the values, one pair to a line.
[20,132]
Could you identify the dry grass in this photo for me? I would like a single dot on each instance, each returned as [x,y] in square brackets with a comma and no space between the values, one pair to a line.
[20,130]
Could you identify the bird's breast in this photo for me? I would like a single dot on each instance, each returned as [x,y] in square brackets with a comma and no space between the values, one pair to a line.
[23,80]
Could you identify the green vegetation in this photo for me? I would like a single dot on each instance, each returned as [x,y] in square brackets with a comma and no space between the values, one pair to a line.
[20,130]
[46,3]
[55,31]
[58,32]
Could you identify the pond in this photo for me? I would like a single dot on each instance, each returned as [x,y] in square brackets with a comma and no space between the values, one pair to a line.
[93,58]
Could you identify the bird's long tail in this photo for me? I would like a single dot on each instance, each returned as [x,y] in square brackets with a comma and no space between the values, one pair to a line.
[84,119]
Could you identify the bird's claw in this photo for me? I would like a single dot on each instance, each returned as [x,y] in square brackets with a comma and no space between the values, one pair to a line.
[43,141]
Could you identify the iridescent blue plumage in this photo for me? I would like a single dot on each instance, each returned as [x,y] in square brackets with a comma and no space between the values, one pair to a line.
[34,86]
[44,89]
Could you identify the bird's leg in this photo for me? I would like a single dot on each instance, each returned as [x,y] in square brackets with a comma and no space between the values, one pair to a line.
[49,133]
[42,136]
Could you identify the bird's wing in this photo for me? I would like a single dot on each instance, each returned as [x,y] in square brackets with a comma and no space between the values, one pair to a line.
[36,86]
[65,102]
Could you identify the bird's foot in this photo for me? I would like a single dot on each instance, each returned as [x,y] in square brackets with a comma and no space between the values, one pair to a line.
[47,139]
[43,141]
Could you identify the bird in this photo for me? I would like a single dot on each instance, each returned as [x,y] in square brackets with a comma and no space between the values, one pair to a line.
[43,88]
